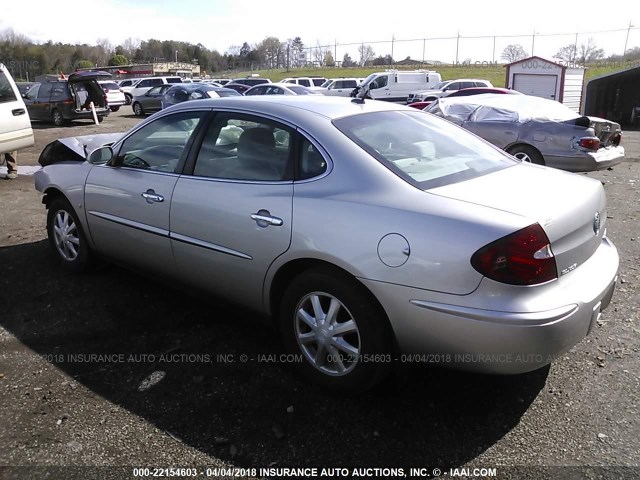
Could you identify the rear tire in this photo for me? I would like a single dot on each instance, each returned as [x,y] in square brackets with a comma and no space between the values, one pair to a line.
[137,109]
[114,109]
[57,118]
[67,238]
[527,154]
[341,332]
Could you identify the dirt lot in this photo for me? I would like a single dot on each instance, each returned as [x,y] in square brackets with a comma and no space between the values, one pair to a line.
[160,394]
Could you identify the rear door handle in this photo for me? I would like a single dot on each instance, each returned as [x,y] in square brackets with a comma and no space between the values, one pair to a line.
[18,111]
[264,218]
[152,197]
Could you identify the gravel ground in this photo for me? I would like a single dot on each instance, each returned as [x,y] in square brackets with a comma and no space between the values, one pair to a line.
[162,395]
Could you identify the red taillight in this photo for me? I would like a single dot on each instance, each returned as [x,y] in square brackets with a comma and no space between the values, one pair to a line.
[522,258]
[590,143]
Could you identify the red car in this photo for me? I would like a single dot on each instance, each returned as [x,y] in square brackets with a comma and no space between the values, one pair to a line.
[466,92]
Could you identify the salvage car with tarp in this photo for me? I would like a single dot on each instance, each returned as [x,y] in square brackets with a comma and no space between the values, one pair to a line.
[537,130]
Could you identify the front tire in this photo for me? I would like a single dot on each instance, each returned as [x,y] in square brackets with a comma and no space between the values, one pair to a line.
[128,99]
[137,109]
[527,154]
[67,238]
[341,332]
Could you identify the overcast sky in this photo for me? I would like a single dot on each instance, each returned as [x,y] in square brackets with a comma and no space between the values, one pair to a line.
[218,24]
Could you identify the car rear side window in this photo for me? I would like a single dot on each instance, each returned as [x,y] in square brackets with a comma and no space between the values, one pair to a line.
[6,90]
[60,92]
[426,151]
[246,147]
[312,163]
[159,145]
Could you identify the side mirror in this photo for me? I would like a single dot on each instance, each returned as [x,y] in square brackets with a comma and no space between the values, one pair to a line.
[101,156]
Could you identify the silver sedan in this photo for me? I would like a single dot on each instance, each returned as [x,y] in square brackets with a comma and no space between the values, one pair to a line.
[369,232]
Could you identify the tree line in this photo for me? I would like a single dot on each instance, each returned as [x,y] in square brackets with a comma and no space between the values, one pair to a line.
[579,54]
[27,59]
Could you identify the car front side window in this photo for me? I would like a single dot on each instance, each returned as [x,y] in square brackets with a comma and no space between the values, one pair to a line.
[159,145]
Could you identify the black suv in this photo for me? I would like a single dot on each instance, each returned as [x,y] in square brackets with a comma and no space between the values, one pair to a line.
[69,99]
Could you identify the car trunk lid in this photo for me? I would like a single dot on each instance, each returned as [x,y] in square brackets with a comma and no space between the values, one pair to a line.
[569,207]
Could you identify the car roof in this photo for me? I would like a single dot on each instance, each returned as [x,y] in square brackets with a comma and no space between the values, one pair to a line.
[292,106]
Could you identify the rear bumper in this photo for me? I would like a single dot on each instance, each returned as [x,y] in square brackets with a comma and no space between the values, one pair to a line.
[85,114]
[501,329]
[587,162]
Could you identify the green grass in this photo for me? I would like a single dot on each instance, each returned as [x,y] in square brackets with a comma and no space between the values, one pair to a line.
[494,73]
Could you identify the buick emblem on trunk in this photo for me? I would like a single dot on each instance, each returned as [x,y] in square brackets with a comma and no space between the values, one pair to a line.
[596,223]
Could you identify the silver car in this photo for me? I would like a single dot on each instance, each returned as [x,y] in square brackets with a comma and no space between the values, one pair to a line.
[537,130]
[369,232]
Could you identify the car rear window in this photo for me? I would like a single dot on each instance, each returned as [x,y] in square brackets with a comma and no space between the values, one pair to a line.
[225,93]
[110,86]
[6,90]
[174,80]
[299,90]
[424,150]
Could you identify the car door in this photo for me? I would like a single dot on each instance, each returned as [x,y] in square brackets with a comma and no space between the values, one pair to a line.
[15,126]
[231,212]
[127,201]
[152,100]
[496,125]
[41,105]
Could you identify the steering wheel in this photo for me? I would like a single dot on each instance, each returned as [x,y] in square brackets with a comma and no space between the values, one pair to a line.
[136,162]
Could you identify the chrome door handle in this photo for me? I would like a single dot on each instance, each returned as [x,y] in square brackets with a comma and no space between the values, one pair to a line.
[150,196]
[263,218]
[18,111]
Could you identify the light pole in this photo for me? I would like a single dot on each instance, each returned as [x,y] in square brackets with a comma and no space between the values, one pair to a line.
[626,40]
[176,56]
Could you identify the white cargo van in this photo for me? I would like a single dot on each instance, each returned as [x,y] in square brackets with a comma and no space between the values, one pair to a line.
[15,125]
[395,86]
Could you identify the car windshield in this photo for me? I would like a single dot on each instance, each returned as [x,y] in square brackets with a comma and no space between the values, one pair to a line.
[327,83]
[439,86]
[424,150]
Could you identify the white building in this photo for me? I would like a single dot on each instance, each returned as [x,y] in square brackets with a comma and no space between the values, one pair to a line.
[549,79]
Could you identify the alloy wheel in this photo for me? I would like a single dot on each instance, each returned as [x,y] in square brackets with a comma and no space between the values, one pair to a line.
[327,334]
[66,236]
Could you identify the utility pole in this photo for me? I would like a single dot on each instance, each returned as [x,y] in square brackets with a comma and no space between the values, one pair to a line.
[393,37]
[533,41]
[335,51]
[493,58]
[575,50]
[626,40]
[457,46]
[424,46]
